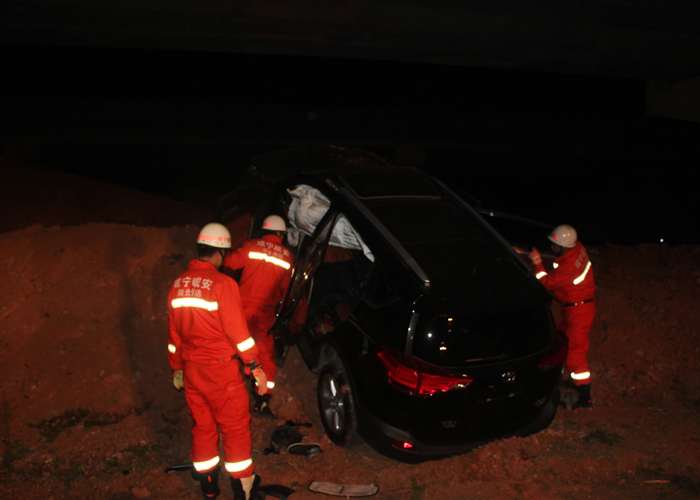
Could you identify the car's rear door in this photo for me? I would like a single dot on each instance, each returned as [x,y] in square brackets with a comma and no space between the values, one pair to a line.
[522,233]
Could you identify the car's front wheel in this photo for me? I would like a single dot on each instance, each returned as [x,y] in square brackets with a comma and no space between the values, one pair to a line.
[335,403]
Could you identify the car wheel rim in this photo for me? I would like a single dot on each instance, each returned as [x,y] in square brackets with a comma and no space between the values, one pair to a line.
[333,404]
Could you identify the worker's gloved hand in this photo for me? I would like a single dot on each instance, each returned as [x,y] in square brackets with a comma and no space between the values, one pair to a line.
[178,380]
[261,380]
[535,256]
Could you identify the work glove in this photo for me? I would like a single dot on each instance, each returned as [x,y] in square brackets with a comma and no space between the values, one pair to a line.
[535,257]
[261,380]
[178,380]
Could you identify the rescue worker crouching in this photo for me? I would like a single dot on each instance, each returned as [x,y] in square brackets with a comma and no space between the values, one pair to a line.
[572,284]
[207,333]
[266,265]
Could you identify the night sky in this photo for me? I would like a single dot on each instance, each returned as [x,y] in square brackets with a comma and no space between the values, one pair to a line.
[557,148]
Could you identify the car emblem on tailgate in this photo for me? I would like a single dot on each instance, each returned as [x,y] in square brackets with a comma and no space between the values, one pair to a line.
[508,377]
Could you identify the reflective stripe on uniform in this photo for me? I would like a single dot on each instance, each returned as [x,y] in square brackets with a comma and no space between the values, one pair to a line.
[172,348]
[583,274]
[270,385]
[581,376]
[238,466]
[195,302]
[269,258]
[246,344]
[541,275]
[206,465]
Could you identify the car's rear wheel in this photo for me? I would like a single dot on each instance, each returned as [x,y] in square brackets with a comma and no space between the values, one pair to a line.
[335,404]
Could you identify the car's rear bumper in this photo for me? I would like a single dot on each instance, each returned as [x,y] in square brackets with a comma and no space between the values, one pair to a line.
[401,445]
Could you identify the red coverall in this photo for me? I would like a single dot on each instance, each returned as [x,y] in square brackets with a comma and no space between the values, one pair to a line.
[266,273]
[571,283]
[207,331]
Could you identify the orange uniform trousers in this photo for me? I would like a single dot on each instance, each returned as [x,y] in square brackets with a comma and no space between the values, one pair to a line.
[259,320]
[576,324]
[216,395]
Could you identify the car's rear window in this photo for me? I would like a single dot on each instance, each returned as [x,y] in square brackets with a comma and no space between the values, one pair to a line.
[460,256]
[479,339]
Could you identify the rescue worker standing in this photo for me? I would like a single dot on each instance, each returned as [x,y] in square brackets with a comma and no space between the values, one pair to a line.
[571,282]
[266,264]
[207,332]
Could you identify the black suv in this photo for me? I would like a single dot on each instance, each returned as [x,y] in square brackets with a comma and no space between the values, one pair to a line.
[428,332]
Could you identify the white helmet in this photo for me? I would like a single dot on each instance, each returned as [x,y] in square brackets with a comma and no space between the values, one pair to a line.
[564,236]
[214,235]
[274,223]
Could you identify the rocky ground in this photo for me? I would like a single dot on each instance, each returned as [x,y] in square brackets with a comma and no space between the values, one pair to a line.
[89,412]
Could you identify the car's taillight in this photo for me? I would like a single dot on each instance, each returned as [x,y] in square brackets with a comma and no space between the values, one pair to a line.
[417,377]
[556,354]
[404,445]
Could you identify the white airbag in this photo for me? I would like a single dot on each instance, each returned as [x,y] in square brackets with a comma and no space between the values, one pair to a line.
[308,207]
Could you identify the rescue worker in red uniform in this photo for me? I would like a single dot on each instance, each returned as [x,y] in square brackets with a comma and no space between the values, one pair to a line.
[207,335]
[266,265]
[571,282]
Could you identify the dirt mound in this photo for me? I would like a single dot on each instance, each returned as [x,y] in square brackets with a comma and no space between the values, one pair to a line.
[89,410]
[33,194]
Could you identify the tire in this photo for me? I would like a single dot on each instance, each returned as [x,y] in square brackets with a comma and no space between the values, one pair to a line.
[335,404]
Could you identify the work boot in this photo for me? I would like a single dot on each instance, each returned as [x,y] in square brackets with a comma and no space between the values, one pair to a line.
[247,488]
[579,397]
[261,407]
[209,481]
[584,397]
